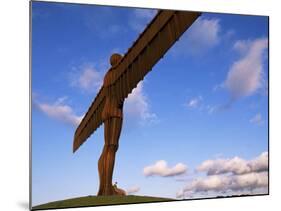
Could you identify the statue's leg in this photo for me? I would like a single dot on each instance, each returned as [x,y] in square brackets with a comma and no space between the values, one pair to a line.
[112,130]
[112,139]
[101,171]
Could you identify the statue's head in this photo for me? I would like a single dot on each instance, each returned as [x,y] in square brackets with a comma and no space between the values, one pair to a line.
[114,59]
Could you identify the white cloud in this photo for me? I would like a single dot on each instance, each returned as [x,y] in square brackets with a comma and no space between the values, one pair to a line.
[242,46]
[220,166]
[132,190]
[217,87]
[225,177]
[214,183]
[203,35]
[195,102]
[260,163]
[136,105]
[201,105]
[87,78]
[234,165]
[180,194]
[160,168]
[246,75]
[257,119]
[212,108]
[60,111]
[247,183]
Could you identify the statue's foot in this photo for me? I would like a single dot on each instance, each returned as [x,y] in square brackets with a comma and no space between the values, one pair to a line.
[109,191]
[119,191]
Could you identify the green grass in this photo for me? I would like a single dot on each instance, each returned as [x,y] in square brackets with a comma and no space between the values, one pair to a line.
[99,200]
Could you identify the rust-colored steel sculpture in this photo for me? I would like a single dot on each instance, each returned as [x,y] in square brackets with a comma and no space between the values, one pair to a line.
[123,76]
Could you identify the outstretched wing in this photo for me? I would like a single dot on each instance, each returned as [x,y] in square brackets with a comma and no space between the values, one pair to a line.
[162,32]
[91,121]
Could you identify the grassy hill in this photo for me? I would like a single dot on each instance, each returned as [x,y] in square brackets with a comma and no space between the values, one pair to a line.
[99,200]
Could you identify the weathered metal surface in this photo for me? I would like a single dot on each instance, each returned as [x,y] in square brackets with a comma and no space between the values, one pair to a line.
[158,39]
[162,32]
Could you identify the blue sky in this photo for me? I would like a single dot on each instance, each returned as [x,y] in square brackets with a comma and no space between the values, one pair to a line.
[197,126]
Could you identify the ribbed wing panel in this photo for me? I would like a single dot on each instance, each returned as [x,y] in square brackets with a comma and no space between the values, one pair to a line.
[164,30]
[91,121]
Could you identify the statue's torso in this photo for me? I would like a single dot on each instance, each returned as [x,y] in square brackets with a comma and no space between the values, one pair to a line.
[111,107]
